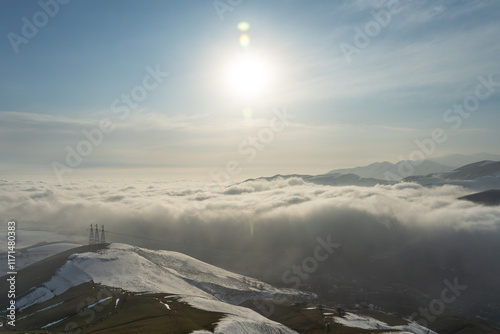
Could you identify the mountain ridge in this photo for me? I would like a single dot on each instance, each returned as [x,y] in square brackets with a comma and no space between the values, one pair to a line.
[139,270]
[164,288]
[397,171]
[402,170]
[479,176]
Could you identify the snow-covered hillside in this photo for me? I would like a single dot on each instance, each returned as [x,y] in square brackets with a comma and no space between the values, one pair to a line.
[141,270]
[200,285]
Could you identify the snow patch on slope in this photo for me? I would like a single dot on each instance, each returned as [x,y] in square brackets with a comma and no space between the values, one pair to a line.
[239,319]
[363,322]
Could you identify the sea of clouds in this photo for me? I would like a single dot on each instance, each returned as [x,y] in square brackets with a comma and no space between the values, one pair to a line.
[185,211]
[392,233]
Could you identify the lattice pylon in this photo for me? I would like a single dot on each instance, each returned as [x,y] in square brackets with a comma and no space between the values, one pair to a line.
[91,236]
[96,238]
[103,236]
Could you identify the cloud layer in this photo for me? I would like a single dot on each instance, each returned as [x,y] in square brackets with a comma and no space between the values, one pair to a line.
[405,233]
[182,211]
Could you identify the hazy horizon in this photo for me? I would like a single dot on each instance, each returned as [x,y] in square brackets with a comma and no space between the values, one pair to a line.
[192,88]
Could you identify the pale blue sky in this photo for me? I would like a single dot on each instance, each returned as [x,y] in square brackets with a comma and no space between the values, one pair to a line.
[427,57]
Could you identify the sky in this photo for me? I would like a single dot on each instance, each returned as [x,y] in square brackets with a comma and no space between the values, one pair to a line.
[172,87]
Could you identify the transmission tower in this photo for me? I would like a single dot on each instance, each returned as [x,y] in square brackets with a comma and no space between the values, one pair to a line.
[91,236]
[96,238]
[103,237]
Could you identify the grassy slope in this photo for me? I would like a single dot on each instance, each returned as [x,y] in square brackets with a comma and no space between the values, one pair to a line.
[133,313]
[450,325]
[310,320]
[306,319]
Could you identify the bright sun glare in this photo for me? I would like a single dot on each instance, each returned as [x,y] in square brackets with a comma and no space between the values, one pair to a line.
[249,76]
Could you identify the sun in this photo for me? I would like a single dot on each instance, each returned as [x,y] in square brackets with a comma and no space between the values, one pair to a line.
[249,76]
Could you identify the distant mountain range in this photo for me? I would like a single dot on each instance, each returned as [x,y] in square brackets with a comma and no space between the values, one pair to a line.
[389,171]
[476,170]
[477,176]
[405,168]
[458,160]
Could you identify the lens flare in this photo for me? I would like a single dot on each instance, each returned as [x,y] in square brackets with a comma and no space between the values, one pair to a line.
[243,26]
[247,113]
[244,40]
